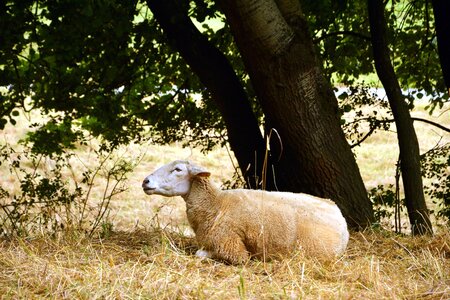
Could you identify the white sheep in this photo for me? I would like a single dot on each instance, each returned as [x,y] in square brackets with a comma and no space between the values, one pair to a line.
[235,225]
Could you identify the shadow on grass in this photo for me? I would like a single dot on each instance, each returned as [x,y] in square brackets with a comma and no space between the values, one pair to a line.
[152,240]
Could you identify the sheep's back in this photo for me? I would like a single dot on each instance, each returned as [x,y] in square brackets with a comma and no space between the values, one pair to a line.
[323,210]
[288,219]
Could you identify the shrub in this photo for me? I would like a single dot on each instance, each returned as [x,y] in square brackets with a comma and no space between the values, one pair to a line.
[435,167]
[53,196]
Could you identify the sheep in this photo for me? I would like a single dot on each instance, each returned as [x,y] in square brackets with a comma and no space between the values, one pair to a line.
[236,225]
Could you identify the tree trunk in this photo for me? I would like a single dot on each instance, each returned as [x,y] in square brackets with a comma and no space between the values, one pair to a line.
[298,102]
[407,139]
[441,10]
[216,73]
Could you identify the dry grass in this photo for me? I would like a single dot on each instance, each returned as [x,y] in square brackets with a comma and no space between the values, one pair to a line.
[149,253]
[157,264]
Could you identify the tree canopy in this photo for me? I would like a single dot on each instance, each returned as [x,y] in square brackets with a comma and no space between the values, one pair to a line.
[89,65]
[130,70]
[100,66]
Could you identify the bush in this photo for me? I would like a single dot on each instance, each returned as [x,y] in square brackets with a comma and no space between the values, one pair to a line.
[52,196]
[435,167]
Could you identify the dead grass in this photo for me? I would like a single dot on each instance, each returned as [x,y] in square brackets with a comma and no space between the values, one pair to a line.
[158,264]
[149,252]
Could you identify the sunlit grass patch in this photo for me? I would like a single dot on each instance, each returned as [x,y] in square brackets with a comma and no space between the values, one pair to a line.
[156,263]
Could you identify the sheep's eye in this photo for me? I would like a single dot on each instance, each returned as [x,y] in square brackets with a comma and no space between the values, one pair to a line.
[176,170]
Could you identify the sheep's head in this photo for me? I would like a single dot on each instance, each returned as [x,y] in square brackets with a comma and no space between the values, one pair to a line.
[173,179]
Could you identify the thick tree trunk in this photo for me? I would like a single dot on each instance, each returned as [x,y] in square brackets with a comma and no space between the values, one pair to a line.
[298,102]
[407,139]
[216,73]
[441,10]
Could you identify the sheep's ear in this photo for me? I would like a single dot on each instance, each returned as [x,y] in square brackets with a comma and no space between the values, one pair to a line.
[203,174]
[198,171]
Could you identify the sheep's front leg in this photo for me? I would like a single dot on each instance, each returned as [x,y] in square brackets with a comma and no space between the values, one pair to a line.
[229,248]
[203,253]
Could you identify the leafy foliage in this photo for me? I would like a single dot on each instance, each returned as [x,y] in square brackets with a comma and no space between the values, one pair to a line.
[384,200]
[106,67]
[435,166]
[362,113]
[415,36]
[341,32]
[52,197]
[43,199]
[95,69]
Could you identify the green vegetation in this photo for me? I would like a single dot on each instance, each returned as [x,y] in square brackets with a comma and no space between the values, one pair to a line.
[96,94]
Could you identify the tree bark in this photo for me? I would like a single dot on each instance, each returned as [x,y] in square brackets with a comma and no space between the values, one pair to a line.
[406,135]
[298,102]
[216,73]
[441,10]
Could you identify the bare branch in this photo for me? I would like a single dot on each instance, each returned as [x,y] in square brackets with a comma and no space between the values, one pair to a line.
[431,123]
[372,129]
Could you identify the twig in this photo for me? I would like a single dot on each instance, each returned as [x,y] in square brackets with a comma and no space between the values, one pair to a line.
[372,129]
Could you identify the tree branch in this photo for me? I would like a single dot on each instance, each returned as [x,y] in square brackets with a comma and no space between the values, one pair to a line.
[431,123]
[420,120]
[372,129]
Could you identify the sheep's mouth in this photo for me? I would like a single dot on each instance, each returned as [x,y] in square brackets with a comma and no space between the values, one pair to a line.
[149,190]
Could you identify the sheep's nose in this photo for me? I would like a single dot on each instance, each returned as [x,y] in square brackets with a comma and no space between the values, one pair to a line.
[145,182]
[149,186]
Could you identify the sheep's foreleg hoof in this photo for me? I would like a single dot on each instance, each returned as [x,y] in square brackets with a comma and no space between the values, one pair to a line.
[203,253]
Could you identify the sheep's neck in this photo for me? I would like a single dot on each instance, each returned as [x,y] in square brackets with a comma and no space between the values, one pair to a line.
[201,204]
